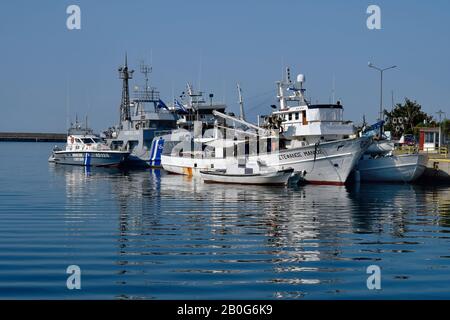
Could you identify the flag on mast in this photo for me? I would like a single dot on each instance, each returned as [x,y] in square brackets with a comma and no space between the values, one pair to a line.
[179,106]
[161,104]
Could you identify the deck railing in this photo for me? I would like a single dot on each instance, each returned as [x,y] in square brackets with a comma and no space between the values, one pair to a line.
[406,149]
[443,151]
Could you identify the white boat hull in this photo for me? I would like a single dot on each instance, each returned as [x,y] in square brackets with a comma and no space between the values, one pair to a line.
[402,168]
[328,163]
[380,147]
[270,178]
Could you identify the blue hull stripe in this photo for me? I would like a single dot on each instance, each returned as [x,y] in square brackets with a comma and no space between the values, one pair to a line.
[87,159]
[159,151]
[151,152]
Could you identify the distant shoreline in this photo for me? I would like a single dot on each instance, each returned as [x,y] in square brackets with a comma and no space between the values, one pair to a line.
[33,137]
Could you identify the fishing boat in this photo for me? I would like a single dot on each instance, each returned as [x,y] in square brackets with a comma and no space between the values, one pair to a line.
[248,174]
[194,107]
[379,163]
[84,148]
[314,140]
[392,168]
[195,117]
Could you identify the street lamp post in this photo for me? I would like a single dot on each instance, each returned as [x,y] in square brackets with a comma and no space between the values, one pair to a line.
[440,113]
[371,65]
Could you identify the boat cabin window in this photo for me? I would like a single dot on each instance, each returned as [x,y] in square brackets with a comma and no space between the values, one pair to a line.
[132,144]
[87,140]
[77,140]
[116,145]
[326,114]
[290,116]
[297,116]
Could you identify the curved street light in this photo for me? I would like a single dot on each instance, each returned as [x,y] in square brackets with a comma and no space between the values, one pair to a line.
[371,65]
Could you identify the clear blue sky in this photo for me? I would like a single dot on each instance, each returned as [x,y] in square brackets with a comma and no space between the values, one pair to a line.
[216,44]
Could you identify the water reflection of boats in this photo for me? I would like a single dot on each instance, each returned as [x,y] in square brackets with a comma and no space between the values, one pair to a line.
[307,212]
[172,229]
[376,204]
[164,230]
[77,179]
[440,195]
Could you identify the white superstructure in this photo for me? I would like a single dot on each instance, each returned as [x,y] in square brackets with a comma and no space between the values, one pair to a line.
[307,122]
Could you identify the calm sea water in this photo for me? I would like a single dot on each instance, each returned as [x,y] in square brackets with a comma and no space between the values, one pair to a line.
[149,235]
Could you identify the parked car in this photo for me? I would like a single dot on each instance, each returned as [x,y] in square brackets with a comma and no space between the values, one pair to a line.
[407,140]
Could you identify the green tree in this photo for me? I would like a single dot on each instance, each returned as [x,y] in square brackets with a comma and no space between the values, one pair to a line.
[446,127]
[411,114]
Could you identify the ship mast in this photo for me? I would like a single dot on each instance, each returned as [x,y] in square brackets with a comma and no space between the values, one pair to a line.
[195,99]
[296,87]
[125,75]
[148,94]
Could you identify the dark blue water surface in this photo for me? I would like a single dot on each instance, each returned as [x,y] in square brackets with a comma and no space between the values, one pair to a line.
[150,235]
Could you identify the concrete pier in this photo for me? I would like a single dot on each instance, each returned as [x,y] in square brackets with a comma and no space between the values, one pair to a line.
[437,172]
[32,137]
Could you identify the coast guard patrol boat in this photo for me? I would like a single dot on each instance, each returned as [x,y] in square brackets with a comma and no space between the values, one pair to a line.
[84,148]
[138,124]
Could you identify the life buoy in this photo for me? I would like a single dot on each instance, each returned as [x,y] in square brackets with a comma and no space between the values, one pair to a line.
[137,126]
[394,120]
[400,120]
[397,128]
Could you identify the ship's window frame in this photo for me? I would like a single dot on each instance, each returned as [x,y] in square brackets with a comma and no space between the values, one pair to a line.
[304,119]
[429,137]
[87,140]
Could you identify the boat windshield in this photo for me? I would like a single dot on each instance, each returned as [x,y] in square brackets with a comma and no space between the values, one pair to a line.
[88,140]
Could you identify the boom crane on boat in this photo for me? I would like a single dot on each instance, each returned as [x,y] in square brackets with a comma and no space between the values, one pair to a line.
[241,121]
[241,103]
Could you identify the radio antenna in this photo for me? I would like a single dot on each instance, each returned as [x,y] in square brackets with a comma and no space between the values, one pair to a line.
[241,103]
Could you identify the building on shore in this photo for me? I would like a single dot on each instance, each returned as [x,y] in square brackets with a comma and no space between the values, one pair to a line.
[432,139]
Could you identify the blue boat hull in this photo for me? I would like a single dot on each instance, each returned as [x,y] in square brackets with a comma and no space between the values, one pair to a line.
[89,159]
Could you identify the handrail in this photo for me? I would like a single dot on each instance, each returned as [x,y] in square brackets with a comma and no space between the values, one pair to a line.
[443,151]
[407,149]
